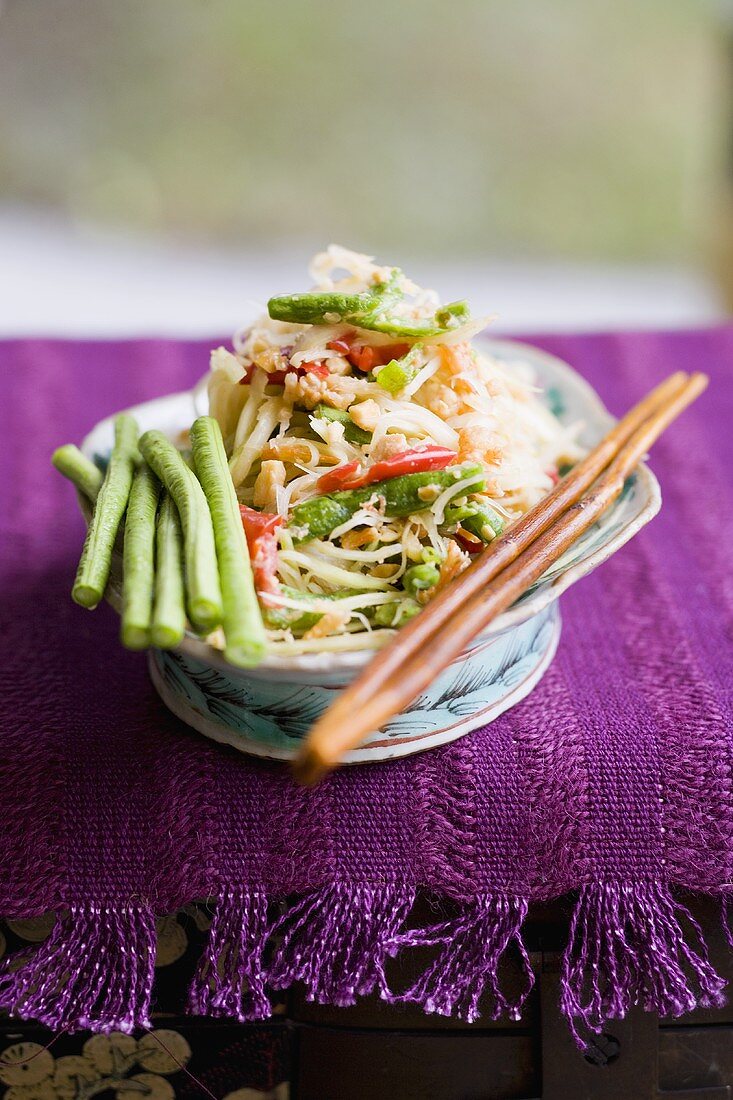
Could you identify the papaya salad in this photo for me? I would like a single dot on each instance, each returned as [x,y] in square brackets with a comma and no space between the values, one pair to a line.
[373,450]
[358,451]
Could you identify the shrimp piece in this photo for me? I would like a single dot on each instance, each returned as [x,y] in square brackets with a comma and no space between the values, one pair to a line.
[477,443]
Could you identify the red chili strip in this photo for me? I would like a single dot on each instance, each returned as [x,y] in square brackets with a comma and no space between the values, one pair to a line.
[351,476]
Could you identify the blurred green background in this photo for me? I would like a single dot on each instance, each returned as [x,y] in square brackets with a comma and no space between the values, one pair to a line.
[570,129]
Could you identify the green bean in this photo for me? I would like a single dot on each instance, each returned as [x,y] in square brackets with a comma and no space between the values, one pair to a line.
[445,319]
[315,519]
[477,518]
[352,432]
[485,524]
[96,558]
[414,329]
[169,613]
[203,593]
[138,559]
[321,309]
[246,644]
[328,308]
[402,496]
[430,555]
[79,469]
[368,309]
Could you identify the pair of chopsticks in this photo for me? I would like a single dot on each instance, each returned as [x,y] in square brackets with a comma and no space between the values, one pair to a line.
[502,572]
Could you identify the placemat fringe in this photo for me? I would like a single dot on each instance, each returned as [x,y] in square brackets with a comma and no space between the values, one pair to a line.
[230,979]
[628,945]
[337,939]
[94,971]
[466,968]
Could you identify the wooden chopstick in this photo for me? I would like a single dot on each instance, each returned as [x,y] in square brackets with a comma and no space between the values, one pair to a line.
[504,549]
[500,553]
[504,570]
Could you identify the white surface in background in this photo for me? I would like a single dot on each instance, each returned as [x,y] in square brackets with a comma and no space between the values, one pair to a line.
[60,279]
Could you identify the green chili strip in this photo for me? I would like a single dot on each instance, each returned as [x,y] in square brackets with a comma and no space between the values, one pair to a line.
[352,432]
[315,519]
[203,593]
[79,469]
[246,644]
[169,611]
[96,559]
[138,559]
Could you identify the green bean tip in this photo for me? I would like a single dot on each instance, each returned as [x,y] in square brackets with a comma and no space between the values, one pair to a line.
[134,637]
[165,637]
[245,655]
[86,596]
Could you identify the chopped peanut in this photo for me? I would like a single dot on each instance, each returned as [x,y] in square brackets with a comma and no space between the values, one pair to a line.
[288,450]
[358,536]
[270,478]
[429,493]
[365,414]
[440,399]
[310,390]
[394,443]
[385,570]
[329,623]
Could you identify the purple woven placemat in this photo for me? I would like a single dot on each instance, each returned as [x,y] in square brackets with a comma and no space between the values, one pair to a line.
[613,780]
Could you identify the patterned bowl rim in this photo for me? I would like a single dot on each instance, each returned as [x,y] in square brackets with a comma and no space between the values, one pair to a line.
[353,662]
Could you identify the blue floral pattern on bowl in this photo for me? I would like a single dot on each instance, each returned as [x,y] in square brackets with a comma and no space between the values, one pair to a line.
[270,717]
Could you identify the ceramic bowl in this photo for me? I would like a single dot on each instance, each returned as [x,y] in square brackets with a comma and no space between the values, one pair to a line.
[268,710]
